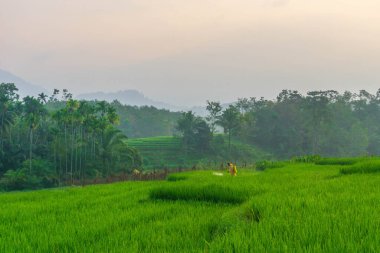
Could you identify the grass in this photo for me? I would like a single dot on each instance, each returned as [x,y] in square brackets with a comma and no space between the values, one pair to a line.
[262,165]
[340,161]
[362,167]
[209,192]
[296,208]
[177,177]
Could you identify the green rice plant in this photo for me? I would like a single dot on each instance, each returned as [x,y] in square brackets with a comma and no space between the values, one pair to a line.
[210,193]
[262,165]
[372,166]
[176,177]
[298,208]
[338,161]
[239,216]
[306,159]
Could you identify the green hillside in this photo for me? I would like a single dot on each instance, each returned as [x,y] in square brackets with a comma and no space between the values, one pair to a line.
[296,208]
[167,152]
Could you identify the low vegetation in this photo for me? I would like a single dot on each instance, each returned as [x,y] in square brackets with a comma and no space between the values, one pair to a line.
[299,207]
[339,161]
[168,152]
[365,166]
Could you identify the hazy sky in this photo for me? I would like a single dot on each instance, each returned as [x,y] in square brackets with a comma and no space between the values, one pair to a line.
[186,51]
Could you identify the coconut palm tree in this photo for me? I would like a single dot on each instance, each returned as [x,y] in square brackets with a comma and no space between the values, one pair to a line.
[34,111]
[113,139]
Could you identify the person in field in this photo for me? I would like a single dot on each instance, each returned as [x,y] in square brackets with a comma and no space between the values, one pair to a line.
[232,169]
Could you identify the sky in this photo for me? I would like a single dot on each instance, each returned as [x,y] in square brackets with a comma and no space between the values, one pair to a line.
[186,52]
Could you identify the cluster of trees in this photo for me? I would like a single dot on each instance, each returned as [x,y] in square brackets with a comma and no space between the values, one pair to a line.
[195,132]
[200,135]
[48,141]
[326,123]
[145,121]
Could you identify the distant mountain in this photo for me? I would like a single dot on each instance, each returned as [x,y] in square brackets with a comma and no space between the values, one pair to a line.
[130,97]
[134,97]
[25,88]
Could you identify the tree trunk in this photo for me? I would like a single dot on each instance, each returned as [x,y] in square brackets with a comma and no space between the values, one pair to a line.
[66,155]
[229,141]
[30,149]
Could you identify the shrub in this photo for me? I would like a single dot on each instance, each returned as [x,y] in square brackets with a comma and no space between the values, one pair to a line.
[42,175]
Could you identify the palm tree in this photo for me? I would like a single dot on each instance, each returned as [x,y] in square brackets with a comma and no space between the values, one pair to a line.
[8,96]
[42,97]
[34,111]
[112,140]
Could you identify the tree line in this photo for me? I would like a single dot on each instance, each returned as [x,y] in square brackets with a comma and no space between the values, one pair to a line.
[54,140]
[47,141]
[324,123]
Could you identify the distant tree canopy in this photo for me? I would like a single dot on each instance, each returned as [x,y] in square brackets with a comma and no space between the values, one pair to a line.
[321,122]
[54,140]
[47,141]
[145,121]
[196,134]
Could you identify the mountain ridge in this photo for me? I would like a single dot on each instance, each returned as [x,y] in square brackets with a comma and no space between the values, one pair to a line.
[25,88]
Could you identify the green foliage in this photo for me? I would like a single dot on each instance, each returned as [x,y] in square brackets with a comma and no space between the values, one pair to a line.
[365,166]
[165,152]
[176,177]
[339,161]
[46,142]
[42,176]
[145,121]
[210,192]
[299,208]
[262,165]
[195,133]
[321,122]
[306,159]
[229,120]
[215,112]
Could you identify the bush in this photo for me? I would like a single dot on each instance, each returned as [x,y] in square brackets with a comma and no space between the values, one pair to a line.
[42,175]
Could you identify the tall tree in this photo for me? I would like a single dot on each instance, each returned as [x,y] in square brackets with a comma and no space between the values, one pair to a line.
[34,111]
[215,111]
[229,120]
[195,132]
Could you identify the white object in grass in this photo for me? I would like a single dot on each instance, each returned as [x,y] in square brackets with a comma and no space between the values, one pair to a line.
[217,174]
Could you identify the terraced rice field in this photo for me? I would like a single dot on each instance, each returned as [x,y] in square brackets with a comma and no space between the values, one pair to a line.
[163,152]
[298,207]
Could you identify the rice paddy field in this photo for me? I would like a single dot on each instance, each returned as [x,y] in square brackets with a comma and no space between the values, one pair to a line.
[162,152]
[296,207]
[166,152]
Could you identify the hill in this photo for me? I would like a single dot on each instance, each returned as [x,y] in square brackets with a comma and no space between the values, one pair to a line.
[167,152]
[129,97]
[25,87]
[136,98]
[296,208]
